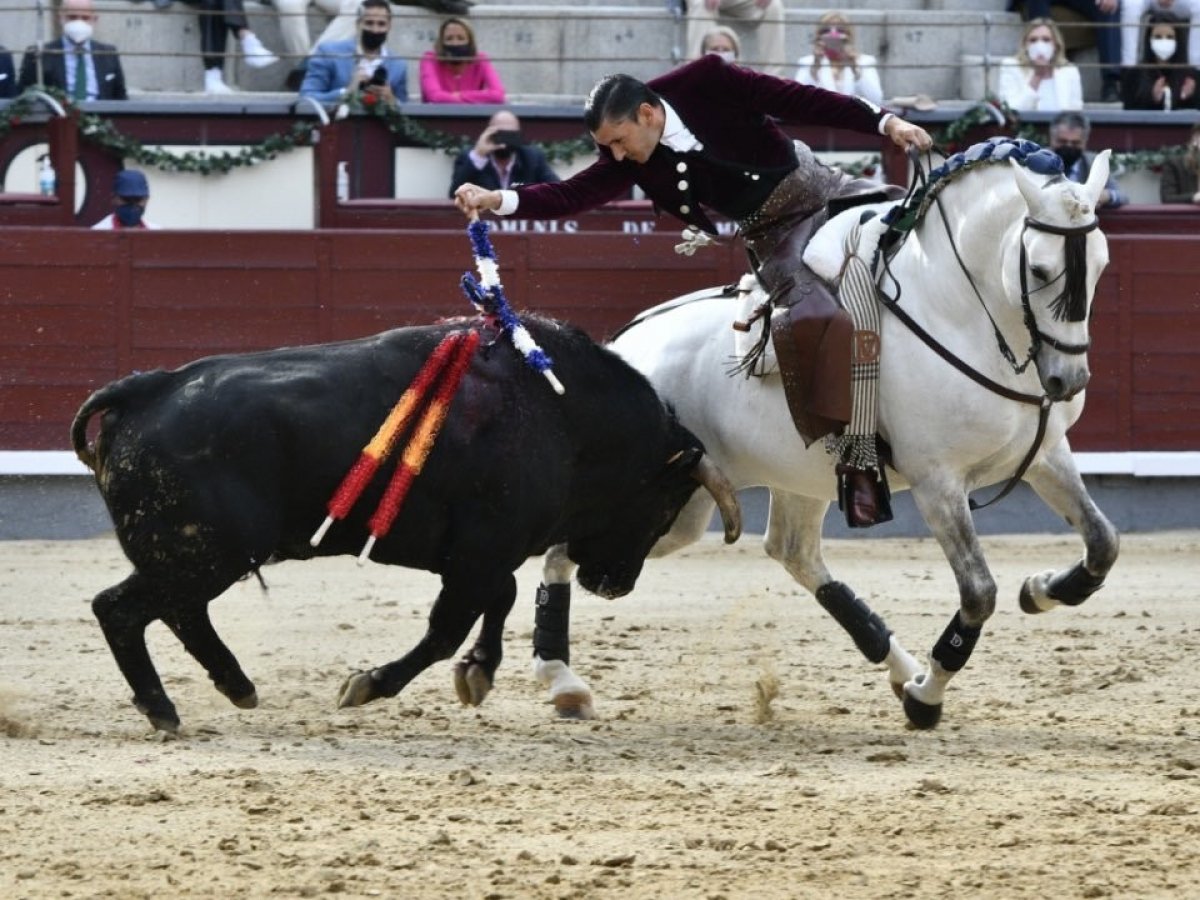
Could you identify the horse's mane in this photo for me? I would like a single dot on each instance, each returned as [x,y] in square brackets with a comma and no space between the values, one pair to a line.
[906,215]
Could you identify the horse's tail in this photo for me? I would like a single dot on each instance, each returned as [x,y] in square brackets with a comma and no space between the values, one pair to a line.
[110,398]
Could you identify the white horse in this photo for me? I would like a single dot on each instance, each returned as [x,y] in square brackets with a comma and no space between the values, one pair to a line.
[1003,258]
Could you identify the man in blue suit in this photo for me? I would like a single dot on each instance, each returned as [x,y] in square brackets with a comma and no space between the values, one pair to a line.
[347,68]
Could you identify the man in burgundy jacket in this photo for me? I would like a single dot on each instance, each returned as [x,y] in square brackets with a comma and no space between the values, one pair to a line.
[705,136]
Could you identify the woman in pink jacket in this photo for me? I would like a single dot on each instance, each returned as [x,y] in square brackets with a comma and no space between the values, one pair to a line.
[454,71]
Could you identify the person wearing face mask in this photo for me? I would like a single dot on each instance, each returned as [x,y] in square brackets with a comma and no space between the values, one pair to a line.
[131,193]
[1180,182]
[1105,17]
[1133,35]
[82,68]
[358,68]
[1039,76]
[1164,80]
[501,159]
[721,41]
[1068,138]
[764,17]
[456,71]
[835,63]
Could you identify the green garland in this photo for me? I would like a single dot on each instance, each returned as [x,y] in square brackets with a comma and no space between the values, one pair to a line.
[105,134]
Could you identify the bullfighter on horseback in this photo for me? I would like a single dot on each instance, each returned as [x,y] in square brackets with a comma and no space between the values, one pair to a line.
[707,135]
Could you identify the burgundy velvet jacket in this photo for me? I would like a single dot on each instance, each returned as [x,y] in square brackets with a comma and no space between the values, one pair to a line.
[730,110]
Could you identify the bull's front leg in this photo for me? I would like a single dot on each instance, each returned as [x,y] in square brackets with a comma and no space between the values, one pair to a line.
[463,598]
[945,510]
[570,694]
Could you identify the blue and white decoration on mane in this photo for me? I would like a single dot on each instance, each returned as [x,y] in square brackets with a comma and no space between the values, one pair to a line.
[487,295]
[1031,155]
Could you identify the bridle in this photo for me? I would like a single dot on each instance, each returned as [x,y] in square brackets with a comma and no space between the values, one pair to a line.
[1037,336]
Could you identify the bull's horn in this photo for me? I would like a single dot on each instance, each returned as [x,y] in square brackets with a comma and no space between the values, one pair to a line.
[715,482]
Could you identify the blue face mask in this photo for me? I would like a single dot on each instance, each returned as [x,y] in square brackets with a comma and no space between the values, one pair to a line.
[130,214]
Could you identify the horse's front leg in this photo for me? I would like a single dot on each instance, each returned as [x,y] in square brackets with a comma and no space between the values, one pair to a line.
[570,694]
[945,511]
[1056,480]
[793,539]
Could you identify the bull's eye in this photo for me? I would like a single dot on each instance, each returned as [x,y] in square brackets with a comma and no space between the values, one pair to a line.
[1040,273]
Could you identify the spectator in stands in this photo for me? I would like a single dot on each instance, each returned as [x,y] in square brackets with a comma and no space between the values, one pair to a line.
[1068,138]
[456,70]
[74,63]
[1105,15]
[1039,76]
[8,74]
[722,41]
[835,63]
[216,18]
[293,30]
[347,68]
[765,15]
[131,193]
[1134,11]
[1164,80]
[500,158]
[1179,182]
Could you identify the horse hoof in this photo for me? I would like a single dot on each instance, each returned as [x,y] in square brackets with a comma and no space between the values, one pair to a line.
[471,683]
[572,705]
[921,715]
[356,690]
[1028,604]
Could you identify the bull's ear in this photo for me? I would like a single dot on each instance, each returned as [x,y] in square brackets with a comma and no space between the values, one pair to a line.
[685,460]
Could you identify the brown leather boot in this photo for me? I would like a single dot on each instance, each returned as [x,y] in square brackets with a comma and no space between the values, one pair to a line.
[863,496]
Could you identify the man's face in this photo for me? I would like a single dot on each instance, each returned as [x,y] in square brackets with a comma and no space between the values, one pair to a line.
[631,139]
[376,20]
[1067,137]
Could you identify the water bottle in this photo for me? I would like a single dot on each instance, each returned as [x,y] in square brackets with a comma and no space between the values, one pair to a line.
[343,182]
[47,180]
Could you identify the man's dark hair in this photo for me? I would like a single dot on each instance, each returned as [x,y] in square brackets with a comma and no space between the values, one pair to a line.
[616,98]
[374,4]
[1071,120]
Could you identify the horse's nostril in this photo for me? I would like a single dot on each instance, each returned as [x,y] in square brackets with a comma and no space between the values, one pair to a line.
[1055,388]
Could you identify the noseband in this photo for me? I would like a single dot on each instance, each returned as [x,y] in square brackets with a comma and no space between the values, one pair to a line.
[1074,235]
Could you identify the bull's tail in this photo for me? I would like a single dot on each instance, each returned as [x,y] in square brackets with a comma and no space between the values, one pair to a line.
[110,397]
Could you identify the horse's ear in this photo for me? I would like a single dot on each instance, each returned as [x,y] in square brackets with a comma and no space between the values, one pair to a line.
[1098,176]
[1030,189]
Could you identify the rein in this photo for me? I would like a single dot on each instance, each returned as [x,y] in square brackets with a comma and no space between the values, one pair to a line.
[1043,402]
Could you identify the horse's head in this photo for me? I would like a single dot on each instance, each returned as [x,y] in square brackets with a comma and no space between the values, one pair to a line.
[1063,254]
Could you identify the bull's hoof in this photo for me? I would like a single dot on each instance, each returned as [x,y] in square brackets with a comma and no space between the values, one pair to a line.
[160,712]
[356,690]
[921,715]
[471,683]
[574,705]
[246,701]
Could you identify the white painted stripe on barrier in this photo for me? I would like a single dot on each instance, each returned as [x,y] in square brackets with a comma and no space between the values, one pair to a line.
[1141,464]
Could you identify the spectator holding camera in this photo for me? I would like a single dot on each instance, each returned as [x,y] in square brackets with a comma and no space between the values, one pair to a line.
[360,67]
[835,63]
[456,71]
[500,158]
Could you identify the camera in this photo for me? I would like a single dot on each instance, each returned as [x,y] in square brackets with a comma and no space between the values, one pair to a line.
[378,78]
[510,139]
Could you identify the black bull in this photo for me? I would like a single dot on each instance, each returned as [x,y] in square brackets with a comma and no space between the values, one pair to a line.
[213,469]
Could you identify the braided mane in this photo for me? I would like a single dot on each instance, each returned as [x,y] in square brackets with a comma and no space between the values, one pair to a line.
[906,215]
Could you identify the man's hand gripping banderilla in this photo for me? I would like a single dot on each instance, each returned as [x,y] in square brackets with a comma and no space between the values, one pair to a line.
[472,199]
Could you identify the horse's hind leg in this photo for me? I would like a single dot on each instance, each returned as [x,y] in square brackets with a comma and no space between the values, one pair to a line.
[124,611]
[570,694]
[793,539]
[1056,480]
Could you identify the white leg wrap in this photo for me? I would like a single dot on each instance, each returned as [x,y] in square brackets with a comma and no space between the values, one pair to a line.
[902,665]
[930,686]
[1038,591]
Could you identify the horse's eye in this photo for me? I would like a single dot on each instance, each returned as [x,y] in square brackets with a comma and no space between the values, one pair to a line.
[1039,273]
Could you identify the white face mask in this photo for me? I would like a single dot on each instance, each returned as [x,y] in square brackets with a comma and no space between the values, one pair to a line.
[78,30]
[1163,48]
[1040,51]
[727,55]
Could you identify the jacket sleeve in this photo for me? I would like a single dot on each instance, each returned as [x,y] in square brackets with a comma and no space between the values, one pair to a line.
[869,86]
[493,88]
[431,82]
[464,172]
[1014,89]
[28,69]
[8,75]
[398,70]
[119,91]
[320,79]
[1173,185]
[1071,92]
[603,181]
